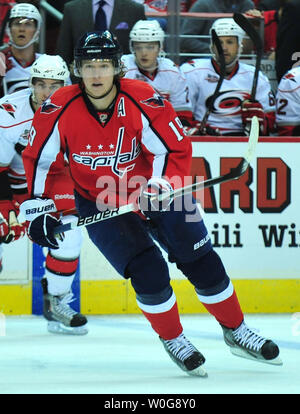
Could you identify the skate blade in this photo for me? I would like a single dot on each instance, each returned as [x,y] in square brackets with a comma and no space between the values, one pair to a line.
[198,372]
[59,328]
[243,354]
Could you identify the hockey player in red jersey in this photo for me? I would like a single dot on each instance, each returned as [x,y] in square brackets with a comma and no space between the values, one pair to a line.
[119,132]
[233,107]
[48,73]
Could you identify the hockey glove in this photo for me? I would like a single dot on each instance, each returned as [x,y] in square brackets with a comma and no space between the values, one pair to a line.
[41,231]
[10,228]
[155,187]
[249,110]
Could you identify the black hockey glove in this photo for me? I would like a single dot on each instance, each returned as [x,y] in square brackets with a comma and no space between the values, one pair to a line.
[41,231]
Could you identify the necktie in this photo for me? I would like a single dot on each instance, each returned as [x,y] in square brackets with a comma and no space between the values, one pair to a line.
[100,19]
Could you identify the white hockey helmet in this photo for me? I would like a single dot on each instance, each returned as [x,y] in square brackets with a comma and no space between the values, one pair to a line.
[228,27]
[146,31]
[50,67]
[27,11]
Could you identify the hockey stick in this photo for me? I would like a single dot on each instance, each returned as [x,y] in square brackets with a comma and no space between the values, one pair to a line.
[247,26]
[212,99]
[233,174]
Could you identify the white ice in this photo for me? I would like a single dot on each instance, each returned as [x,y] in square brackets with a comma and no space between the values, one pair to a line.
[122,355]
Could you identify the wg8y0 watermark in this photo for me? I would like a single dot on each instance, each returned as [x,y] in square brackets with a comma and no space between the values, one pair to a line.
[171,403]
[155,403]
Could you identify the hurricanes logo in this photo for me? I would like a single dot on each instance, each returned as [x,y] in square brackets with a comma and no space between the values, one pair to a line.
[48,107]
[9,108]
[156,101]
[228,103]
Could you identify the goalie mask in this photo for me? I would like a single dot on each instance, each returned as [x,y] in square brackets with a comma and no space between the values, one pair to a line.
[228,27]
[24,11]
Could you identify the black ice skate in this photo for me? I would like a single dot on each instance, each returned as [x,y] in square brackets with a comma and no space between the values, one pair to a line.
[185,355]
[62,319]
[245,343]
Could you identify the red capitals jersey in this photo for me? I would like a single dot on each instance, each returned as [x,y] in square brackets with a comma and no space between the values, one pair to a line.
[141,137]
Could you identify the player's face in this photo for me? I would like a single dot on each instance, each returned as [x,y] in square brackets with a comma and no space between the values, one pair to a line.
[146,54]
[230,48]
[22,30]
[43,88]
[98,76]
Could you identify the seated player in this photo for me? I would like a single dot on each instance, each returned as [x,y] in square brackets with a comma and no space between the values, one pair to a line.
[23,29]
[288,103]
[147,63]
[233,108]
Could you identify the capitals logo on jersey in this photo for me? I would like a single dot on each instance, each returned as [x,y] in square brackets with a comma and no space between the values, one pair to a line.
[48,107]
[156,101]
[111,159]
[9,108]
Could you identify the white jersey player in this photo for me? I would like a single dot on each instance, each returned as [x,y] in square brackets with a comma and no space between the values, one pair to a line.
[147,63]
[23,30]
[48,73]
[288,103]
[233,108]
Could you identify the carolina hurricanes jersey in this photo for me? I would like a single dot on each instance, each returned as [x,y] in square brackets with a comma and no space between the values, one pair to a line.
[288,102]
[142,137]
[167,80]
[202,80]
[17,76]
[15,121]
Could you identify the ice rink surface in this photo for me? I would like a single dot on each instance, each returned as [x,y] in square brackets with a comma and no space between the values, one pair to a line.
[122,355]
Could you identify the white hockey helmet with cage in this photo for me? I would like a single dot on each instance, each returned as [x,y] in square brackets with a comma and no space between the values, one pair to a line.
[146,31]
[27,11]
[50,67]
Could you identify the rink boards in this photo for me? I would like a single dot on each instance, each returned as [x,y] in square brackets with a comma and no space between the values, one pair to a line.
[253,223]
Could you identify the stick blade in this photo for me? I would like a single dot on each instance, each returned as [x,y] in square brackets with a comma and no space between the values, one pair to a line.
[253,138]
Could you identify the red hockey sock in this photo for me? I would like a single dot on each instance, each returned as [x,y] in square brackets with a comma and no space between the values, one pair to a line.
[228,312]
[166,324]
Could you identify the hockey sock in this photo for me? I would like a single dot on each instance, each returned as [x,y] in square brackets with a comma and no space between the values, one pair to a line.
[224,307]
[60,274]
[164,318]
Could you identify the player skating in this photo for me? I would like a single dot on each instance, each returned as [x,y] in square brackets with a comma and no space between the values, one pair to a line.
[234,107]
[139,140]
[147,63]
[48,73]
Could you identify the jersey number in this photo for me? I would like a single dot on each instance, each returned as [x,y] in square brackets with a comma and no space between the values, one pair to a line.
[175,129]
[32,134]
[283,103]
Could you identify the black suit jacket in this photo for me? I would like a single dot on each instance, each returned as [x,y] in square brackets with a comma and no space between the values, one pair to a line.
[288,38]
[78,19]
